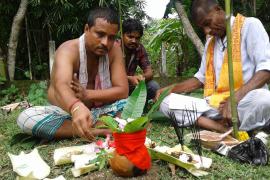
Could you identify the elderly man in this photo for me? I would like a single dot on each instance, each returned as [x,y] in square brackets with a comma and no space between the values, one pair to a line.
[88,80]
[251,60]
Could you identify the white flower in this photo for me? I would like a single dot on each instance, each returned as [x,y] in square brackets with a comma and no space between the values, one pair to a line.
[121,122]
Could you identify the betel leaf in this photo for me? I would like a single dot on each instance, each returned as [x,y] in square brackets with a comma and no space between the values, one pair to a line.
[135,103]
[110,122]
[136,125]
[155,106]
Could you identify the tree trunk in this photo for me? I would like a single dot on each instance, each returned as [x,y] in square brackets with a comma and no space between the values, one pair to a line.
[14,36]
[3,74]
[254,8]
[163,60]
[51,54]
[28,49]
[188,28]
[179,67]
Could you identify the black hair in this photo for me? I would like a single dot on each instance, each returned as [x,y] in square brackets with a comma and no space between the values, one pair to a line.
[103,12]
[132,25]
[201,7]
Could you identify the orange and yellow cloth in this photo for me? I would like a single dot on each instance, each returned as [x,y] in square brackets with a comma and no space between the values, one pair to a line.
[221,92]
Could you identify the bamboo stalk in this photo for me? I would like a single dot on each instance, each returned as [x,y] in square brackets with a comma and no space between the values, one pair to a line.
[28,48]
[230,68]
[121,30]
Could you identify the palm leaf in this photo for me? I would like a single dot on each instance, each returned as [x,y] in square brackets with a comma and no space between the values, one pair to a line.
[110,122]
[188,166]
[136,101]
[155,106]
[136,125]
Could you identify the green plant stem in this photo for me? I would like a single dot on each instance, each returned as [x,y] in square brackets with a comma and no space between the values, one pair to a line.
[230,68]
[121,30]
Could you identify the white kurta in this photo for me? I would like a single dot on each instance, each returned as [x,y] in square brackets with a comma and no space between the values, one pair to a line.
[255,51]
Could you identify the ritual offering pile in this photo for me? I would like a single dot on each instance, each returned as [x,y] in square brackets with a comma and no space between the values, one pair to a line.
[131,157]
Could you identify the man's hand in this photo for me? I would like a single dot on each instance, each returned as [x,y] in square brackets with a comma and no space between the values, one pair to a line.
[225,110]
[134,80]
[82,121]
[159,92]
[78,89]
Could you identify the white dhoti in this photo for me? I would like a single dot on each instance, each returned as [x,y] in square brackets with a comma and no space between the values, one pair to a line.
[253,111]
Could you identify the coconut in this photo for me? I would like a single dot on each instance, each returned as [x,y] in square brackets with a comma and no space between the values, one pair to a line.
[121,166]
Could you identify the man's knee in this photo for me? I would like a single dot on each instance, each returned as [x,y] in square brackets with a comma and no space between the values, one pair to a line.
[259,99]
[25,122]
[152,87]
[254,109]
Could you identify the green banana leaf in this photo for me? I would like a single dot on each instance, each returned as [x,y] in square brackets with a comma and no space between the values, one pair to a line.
[155,106]
[136,101]
[136,125]
[110,122]
[188,166]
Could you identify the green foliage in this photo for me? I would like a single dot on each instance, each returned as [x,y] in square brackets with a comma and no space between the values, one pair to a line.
[24,140]
[37,93]
[155,106]
[167,30]
[189,72]
[134,109]
[163,156]
[136,102]
[10,95]
[58,20]
[161,132]
[136,125]
[102,159]
[110,122]
[181,53]
[2,80]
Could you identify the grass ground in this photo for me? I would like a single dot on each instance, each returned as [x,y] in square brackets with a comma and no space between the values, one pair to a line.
[161,132]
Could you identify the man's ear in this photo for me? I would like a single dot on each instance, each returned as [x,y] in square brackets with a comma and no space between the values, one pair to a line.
[86,27]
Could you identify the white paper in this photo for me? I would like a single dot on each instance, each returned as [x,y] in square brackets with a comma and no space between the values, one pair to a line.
[178,101]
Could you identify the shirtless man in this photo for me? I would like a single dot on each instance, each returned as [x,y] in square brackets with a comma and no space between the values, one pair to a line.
[88,80]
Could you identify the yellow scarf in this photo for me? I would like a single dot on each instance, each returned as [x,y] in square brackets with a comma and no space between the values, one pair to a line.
[222,91]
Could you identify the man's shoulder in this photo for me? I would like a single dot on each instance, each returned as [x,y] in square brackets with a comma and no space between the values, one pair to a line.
[140,50]
[141,47]
[252,21]
[69,46]
[68,53]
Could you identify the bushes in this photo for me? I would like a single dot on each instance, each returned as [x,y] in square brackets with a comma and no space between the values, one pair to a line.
[9,95]
[36,94]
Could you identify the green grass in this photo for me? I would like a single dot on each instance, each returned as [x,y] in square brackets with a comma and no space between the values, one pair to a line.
[161,132]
